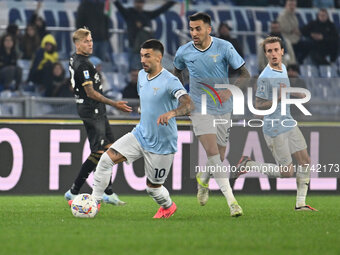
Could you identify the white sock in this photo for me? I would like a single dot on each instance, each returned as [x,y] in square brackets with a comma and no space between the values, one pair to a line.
[205,177]
[271,170]
[220,178]
[160,195]
[302,181]
[102,176]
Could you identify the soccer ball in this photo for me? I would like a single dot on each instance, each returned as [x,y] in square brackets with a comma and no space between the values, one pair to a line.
[84,206]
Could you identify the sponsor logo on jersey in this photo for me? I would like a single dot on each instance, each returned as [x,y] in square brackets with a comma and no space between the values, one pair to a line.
[86,74]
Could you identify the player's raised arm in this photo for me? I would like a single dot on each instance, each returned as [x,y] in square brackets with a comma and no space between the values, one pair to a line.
[185,107]
[265,104]
[93,94]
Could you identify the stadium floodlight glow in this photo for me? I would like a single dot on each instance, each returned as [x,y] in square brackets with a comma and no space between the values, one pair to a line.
[238,100]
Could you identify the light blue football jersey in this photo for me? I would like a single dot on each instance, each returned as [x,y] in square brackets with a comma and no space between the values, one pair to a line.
[271,78]
[208,67]
[157,96]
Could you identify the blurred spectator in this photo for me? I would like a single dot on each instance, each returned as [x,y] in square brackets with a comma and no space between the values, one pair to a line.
[337,4]
[91,14]
[30,42]
[290,29]
[323,3]
[54,80]
[130,91]
[293,72]
[38,21]
[322,38]
[139,28]
[98,65]
[57,85]
[10,73]
[305,3]
[288,57]
[64,89]
[43,61]
[13,30]
[224,33]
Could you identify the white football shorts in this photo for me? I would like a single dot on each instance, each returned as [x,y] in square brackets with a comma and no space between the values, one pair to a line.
[285,144]
[212,124]
[156,166]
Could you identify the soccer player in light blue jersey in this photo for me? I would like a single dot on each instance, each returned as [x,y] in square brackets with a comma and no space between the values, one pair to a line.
[282,140]
[207,59]
[155,137]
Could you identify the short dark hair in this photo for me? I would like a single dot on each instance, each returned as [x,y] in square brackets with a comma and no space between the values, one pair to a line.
[154,45]
[271,39]
[201,16]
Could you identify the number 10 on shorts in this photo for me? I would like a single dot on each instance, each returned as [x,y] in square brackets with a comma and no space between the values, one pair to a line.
[159,173]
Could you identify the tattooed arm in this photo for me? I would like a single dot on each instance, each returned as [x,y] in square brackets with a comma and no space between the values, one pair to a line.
[263,104]
[242,82]
[179,75]
[185,107]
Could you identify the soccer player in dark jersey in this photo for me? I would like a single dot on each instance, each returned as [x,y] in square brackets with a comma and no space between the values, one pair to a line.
[91,108]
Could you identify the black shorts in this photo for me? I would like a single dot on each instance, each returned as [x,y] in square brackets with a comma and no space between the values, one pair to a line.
[97,125]
[98,132]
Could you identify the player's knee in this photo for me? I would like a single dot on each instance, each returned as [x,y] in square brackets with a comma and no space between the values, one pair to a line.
[152,185]
[115,156]
[105,162]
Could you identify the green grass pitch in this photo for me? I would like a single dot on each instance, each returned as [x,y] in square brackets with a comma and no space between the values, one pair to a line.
[45,225]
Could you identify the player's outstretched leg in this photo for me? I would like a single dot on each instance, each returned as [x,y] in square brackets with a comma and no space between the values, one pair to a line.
[86,168]
[203,187]
[224,185]
[302,182]
[241,167]
[102,176]
[162,197]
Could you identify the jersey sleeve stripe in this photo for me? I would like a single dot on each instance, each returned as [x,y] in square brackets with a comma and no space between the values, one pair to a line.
[240,66]
[87,83]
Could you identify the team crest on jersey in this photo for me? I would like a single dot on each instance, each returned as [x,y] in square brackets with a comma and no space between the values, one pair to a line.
[86,74]
[155,91]
[214,57]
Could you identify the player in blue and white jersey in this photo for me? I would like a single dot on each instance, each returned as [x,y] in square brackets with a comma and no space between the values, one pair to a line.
[207,59]
[282,140]
[155,137]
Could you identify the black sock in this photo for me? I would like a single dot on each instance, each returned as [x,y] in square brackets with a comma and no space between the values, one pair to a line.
[87,167]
